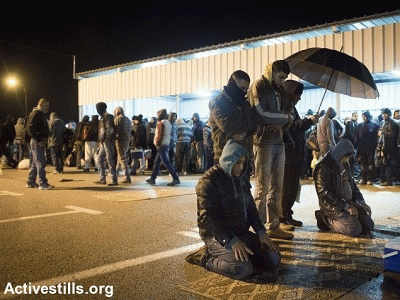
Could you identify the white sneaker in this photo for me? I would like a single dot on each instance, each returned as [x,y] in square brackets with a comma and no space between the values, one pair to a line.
[46,187]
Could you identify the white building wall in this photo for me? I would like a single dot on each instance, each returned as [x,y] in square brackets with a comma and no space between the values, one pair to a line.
[377,47]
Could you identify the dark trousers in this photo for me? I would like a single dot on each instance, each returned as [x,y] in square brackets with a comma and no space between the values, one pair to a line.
[290,188]
[57,157]
[182,156]
[367,165]
[222,259]
[353,225]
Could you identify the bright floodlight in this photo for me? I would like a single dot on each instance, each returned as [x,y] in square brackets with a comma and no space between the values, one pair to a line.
[12,82]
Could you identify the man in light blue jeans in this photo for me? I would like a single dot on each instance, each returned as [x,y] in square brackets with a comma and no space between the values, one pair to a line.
[270,162]
[267,98]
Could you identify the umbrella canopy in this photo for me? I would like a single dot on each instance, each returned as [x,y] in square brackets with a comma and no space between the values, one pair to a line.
[334,71]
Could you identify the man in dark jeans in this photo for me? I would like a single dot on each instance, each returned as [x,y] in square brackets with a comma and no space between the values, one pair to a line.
[226,210]
[38,130]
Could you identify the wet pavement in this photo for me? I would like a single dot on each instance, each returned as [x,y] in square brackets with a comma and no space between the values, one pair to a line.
[315,265]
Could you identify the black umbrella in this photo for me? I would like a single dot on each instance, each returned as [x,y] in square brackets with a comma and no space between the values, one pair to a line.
[334,71]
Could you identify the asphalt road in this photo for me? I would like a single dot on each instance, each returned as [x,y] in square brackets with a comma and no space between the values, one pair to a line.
[124,242]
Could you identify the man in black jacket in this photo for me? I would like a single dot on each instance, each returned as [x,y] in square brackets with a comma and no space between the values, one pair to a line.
[365,140]
[388,134]
[226,210]
[231,116]
[342,206]
[294,153]
[106,150]
[38,130]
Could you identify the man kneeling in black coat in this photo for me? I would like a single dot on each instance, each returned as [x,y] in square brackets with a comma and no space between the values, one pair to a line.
[342,206]
[226,210]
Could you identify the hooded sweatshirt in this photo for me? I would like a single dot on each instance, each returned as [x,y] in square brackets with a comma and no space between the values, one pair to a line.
[20,131]
[325,131]
[123,127]
[267,102]
[38,127]
[226,208]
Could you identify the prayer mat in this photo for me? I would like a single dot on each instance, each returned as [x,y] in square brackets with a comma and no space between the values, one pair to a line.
[315,265]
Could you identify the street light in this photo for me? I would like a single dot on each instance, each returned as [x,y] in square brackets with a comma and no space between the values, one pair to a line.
[13,83]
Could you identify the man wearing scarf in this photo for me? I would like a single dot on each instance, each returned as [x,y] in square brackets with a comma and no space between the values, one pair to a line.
[231,116]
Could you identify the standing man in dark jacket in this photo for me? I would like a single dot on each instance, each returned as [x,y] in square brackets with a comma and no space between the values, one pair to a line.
[365,141]
[139,142]
[198,141]
[226,210]
[56,142]
[79,141]
[231,116]
[342,206]
[106,150]
[38,130]
[389,131]
[294,154]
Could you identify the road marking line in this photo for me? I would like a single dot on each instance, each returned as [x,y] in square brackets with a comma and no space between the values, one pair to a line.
[73,210]
[111,267]
[190,234]
[7,193]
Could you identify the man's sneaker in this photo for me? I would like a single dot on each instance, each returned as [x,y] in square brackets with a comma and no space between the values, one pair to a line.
[86,170]
[46,187]
[197,258]
[32,185]
[174,182]
[294,222]
[151,181]
[112,184]
[127,180]
[278,233]
[286,227]
[100,182]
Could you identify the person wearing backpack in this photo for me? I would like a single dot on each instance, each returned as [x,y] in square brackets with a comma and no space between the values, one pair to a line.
[90,135]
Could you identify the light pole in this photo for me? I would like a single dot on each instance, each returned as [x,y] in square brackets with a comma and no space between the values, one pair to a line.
[13,82]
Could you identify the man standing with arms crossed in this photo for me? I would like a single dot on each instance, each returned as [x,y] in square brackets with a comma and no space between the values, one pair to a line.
[266,96]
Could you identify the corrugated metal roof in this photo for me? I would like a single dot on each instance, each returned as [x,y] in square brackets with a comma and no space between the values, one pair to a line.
[270,39]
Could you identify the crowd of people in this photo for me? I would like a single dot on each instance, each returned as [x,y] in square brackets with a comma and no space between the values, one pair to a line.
[253,131]
[112,142]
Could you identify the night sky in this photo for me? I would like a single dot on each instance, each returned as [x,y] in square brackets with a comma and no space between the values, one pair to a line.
[105,37]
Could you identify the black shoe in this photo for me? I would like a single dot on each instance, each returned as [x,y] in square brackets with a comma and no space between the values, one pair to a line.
[320,221]
[174,182]
[112,184]
[294,222]
[197,258]
[151,181]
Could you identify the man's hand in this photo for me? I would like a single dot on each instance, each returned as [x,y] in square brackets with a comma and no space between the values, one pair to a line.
[237,137]
[265,241]
[367,209]
[241,251]
[290,119]
[314,119]
[352,210]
